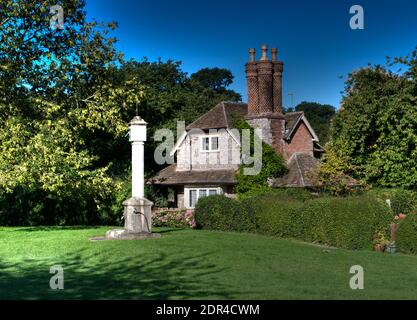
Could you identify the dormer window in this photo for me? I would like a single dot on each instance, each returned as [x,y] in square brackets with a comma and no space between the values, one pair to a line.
[210,143]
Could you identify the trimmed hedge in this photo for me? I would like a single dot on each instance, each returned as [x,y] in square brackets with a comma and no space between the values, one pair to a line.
[273,212]
[407,235]
[222,213]
[402,201]
[349,222]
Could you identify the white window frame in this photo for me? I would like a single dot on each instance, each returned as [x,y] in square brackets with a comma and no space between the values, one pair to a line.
[210,143]
[187,190]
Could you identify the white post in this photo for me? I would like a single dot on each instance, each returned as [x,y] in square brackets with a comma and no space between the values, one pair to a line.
[137,209]
[138,180]
[138,137]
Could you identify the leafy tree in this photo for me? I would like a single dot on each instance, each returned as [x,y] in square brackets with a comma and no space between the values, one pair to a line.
[66,96]
[57,97]
[376,127]
[216,79]
[319,116]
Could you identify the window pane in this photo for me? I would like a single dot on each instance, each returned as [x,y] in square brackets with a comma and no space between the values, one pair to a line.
[212,192]
[202,193]
[214,143]
[206,144]
[193,198]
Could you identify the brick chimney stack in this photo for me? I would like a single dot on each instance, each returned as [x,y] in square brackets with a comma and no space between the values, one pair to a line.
[277,81]
[252,84]
[264,83]
[264,86]
[265,71]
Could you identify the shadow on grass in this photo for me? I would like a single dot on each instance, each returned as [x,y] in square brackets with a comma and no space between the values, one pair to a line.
[146,276]
[165,230]
[55,228]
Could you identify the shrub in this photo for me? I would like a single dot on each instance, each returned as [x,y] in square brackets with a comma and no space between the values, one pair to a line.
[222,213]
[403,201]
[407,235]
[273,212]
[26,206]
[345,222]
[349,222]
[174,219]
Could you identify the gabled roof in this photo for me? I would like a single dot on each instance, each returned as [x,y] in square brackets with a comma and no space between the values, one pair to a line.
[170,177]
[293,119]
[221,116]
[299,166]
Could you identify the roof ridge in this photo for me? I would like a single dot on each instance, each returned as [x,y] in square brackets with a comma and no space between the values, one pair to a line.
[225,116]
[299,169]
[204,114]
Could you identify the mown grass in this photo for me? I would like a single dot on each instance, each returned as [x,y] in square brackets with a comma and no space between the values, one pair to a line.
[189,264]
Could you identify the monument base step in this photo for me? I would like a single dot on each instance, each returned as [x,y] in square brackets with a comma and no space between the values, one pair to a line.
[121,234]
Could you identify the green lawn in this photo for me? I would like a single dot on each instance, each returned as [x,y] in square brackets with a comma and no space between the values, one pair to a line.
[188,264]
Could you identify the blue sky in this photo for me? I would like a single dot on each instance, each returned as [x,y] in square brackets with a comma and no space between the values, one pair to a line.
[313,37]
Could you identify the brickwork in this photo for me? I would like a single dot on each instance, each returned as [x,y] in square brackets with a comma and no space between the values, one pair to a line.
[252,87]
[265,87]
[300,142]
[277,86]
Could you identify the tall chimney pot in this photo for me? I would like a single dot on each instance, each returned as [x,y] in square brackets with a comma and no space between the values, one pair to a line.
[274,52]
[264,53]
[252,52]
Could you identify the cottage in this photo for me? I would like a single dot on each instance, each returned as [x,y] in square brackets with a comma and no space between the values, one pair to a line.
[208,153]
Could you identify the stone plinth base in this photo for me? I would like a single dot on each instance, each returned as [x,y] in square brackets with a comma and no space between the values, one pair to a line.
[138,215]
[138,222]
[121,234]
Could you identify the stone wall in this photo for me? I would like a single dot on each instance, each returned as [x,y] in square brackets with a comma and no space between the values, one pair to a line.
[190,156]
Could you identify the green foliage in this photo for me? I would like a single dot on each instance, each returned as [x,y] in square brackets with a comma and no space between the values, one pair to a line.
[274,210]
[273,165]
[222,213]
[376,127]
[403,201]
[349,222]
[58,105]
[66,97]
[319,116]
[215,78]
[332,176]
[407,235]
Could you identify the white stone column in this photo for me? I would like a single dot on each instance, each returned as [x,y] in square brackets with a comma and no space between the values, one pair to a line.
[137,209]
[137,137]
[138,179]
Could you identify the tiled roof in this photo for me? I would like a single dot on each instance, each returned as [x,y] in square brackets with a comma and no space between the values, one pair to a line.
[300,166]
[169,176]
[221,116]
[291,119]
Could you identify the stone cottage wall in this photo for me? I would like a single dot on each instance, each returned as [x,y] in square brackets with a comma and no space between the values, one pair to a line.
[191,157]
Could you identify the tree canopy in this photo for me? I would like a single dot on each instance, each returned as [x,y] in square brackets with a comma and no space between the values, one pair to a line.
[376,127]
[66,96]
